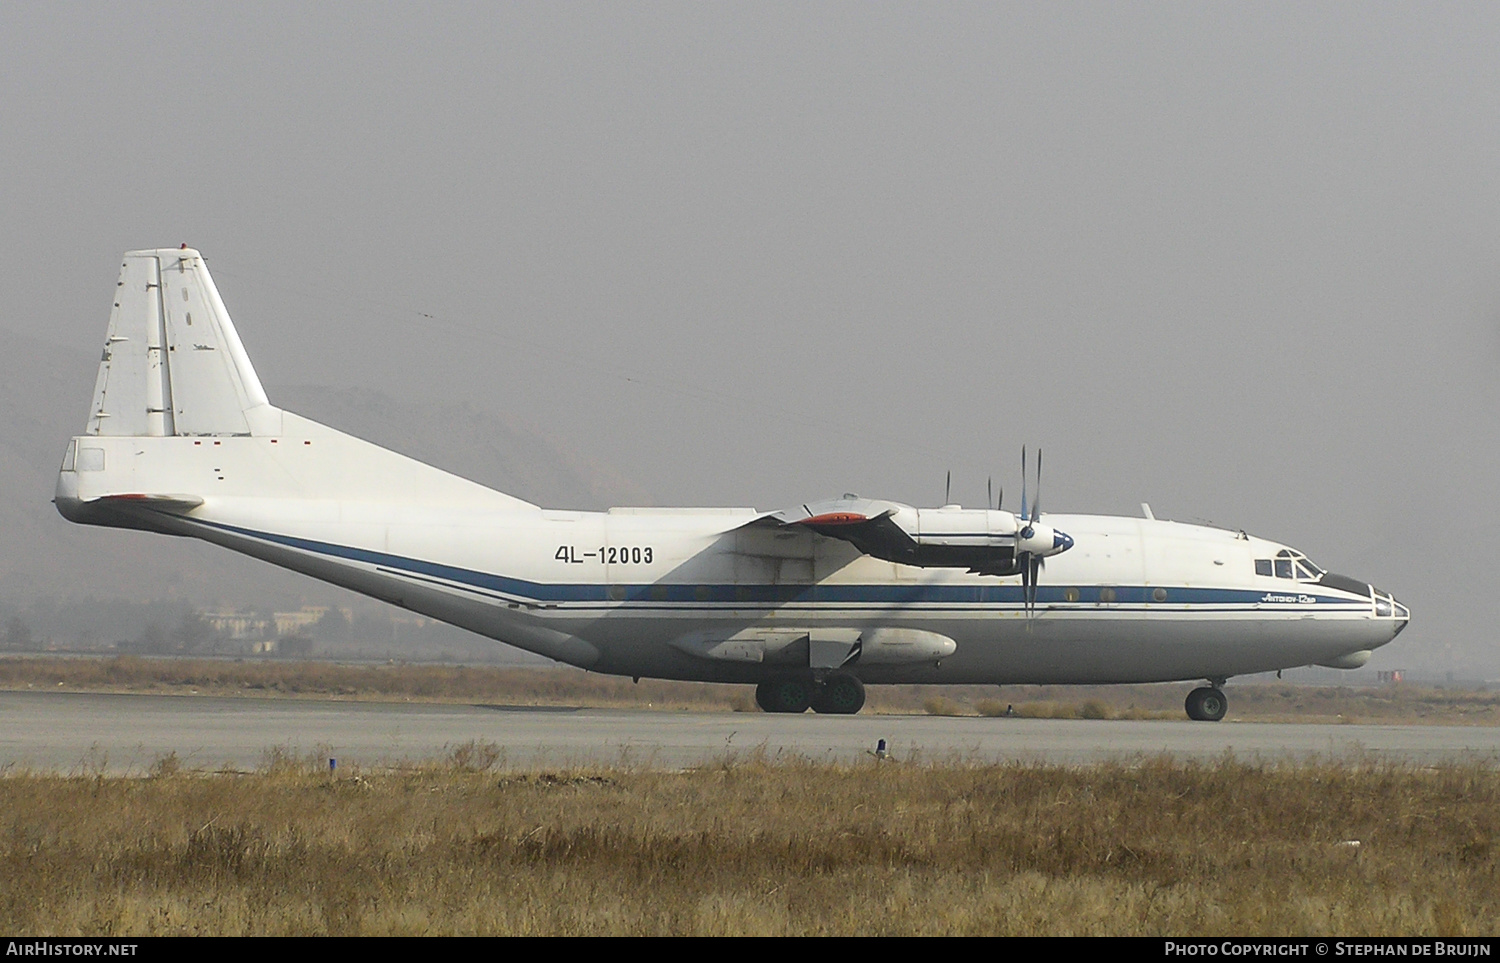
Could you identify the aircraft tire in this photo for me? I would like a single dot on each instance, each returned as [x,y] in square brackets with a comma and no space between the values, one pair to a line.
[1206,704]
[840,694]
[784,695]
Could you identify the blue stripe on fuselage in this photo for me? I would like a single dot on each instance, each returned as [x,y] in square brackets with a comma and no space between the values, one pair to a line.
[659,592]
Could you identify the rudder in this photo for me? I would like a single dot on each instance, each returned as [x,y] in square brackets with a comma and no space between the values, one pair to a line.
[173,363]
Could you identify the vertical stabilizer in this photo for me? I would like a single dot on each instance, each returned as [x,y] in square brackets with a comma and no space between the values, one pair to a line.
[173,363]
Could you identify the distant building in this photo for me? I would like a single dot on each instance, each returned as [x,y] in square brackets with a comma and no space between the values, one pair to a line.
[238,625]
[248,625]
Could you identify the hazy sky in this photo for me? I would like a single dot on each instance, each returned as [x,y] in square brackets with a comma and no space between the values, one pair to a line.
[1239,261]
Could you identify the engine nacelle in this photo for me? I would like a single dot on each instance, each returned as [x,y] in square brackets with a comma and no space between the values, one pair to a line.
[1041,540]
[952,526]
[988,541]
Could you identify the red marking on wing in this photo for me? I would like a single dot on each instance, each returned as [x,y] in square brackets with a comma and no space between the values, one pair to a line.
[835,518]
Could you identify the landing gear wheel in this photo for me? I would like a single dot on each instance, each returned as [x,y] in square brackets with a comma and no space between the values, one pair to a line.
[784,695]
[839,695]
[1206,705]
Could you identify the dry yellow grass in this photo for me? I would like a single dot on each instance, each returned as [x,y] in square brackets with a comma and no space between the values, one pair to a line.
[565,686]
[394,681]
[748,847]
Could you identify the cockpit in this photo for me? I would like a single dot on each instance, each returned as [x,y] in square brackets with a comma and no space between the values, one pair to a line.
[1289,564]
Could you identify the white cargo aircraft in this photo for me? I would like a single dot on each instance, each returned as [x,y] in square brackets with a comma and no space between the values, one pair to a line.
[808,604]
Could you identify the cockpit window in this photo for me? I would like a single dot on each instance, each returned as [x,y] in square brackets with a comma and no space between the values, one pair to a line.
[1289,564]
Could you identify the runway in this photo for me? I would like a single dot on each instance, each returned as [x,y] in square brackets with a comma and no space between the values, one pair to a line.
[120,734]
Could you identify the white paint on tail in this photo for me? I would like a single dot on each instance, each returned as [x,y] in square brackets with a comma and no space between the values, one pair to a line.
[173,363]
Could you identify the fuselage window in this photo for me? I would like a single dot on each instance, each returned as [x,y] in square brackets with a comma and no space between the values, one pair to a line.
[1263,566]
[1107,595]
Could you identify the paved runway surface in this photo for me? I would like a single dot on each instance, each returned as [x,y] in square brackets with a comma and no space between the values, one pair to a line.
[88,732]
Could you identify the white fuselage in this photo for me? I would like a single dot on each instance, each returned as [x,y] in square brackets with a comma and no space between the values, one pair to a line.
[649,592]
[182,439]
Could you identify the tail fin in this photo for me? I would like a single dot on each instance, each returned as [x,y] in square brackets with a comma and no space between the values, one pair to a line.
[173,371]
[173,364]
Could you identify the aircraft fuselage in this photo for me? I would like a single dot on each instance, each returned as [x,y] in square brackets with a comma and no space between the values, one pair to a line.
[808,603]
[650,592]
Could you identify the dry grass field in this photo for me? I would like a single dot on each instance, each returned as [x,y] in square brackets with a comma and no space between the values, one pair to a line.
[563,686]
[744,846]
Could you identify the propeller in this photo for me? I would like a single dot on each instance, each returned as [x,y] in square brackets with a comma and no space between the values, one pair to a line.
[1031,565]
[1031,562]
[1023,483]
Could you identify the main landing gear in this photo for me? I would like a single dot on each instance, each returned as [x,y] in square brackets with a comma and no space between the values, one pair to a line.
[1207,703]
[837,694]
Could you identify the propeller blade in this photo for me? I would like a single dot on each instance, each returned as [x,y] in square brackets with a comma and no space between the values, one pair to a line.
[1023,483]
[989,492]
[1036,501]
[948,489]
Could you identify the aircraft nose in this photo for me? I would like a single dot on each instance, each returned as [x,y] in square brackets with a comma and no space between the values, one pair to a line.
[1389,614]
[1061,542]
[1402,615]
[1386,607]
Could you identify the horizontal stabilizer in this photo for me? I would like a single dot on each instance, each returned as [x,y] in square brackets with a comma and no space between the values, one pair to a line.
[176,504]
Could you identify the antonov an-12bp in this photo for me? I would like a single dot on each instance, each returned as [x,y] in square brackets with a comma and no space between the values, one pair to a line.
[809,604]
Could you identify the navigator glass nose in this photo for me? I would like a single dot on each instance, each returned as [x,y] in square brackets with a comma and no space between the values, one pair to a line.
[1402,615]
[1061,542]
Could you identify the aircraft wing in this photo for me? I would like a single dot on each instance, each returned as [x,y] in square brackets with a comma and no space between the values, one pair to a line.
[867,524]
[980,541]
[873,531]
